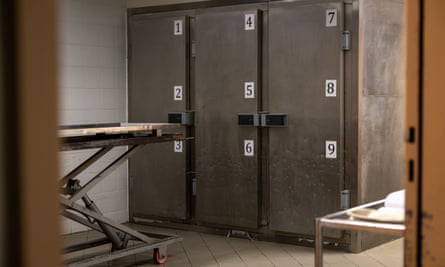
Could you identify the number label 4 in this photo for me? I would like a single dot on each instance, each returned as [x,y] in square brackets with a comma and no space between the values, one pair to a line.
[331,149]
[249,22]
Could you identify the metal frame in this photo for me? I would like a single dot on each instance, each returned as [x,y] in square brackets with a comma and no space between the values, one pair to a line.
[340,220]
[104,138]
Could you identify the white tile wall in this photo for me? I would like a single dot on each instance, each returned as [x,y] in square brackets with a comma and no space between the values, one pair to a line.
[93,90]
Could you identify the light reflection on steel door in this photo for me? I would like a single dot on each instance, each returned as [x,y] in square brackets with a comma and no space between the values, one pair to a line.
[226,59]
[158,64]
[305,81]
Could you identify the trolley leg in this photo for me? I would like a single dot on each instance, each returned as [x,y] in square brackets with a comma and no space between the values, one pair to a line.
[318,243]
[108,231]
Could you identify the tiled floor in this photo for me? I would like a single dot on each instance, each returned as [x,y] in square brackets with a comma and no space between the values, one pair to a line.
[198,249]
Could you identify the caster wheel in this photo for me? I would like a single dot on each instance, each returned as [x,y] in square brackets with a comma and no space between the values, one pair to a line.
[159,259]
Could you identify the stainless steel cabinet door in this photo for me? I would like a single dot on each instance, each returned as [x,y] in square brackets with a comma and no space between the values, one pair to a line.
[158,85]
[227,67]
[305,81]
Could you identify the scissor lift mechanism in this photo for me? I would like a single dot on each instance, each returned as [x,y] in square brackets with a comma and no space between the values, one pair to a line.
[105,137]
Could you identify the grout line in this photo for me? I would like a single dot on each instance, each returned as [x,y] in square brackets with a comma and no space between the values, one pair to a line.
[236,252]
[208,248]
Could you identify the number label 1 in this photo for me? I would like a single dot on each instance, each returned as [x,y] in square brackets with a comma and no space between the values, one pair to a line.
[331,18]
[331,149]
[249,22]
[178,146]
[249,147]
[177,30]
[177,93]
[331,88]
[249,90]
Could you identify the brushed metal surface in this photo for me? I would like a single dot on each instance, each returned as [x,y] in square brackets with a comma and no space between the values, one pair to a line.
[303,53]
[157,62]
[226,58]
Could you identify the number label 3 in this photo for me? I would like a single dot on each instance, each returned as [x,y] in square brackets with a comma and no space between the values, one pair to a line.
[178,146]
[249,148]
[331,149]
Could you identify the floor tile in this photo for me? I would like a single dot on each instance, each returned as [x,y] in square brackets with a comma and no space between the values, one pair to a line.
[206,250]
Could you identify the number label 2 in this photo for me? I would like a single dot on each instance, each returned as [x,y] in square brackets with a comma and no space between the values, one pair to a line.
[249,22]
[249,148]
[331,149]
[178,146]
[331,88]
[249,90]
[331,17]
[177,30]
[177,93]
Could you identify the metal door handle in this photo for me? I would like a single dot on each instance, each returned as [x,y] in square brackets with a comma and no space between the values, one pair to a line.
[263,119]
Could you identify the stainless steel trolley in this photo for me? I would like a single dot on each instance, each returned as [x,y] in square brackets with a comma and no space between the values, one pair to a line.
[105,137]
[341,220]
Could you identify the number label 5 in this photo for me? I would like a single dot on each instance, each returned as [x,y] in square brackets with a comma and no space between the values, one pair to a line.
[249,90]
[249,148]
[331,149]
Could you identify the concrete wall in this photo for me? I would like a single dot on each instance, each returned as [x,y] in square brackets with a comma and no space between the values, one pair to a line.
[93,88]
[381,98]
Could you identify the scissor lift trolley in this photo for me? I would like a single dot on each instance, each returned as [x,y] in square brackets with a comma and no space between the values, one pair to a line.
[103,138]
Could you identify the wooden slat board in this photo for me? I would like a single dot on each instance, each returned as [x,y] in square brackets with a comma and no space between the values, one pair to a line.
[123,128]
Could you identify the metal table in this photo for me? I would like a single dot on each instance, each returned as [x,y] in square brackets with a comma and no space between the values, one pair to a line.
[103,138]
[341,220]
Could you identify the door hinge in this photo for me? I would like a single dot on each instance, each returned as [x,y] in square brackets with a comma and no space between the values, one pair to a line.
[345,199]
[193,185]
[346,40]
[193,48]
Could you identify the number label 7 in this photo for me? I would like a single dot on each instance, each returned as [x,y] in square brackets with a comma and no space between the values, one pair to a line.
[331,17]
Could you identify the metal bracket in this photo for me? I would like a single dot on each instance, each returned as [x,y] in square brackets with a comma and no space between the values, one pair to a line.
[239,233]
[184,118]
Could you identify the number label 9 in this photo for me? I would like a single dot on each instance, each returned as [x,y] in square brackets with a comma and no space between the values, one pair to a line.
[249,148]
[331,149]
